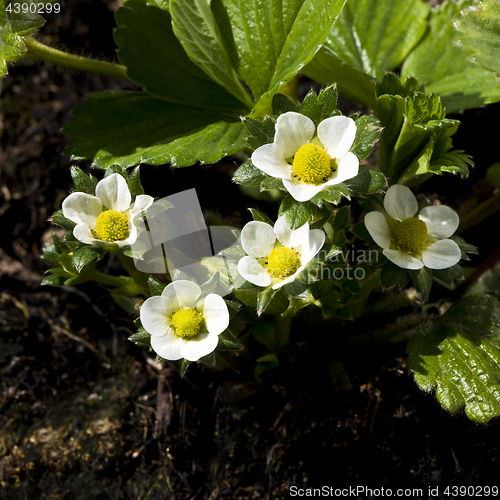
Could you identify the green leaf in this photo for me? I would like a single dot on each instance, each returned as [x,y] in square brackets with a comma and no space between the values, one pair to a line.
[53,280]
[86,254]
[327,69]
[127,128]
[458,356]
[264,298]
[367,133]
[228,343]
[184,367]
[422,281]
[268,42]
[155,59]
[262,132]
[264,331]
[481,27]
[322,106]
[296,212]
[249,175]
[367,181]
[461,83]
[376,36]
[83,182]
[196,29]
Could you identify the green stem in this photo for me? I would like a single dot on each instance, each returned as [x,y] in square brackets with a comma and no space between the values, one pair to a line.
[485,209]
[95,275]
[37,50]
[284,320]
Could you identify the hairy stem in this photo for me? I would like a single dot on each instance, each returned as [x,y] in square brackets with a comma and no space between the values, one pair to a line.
[37,50]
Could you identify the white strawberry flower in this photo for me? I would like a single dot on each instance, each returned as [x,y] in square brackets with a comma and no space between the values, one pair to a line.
[108,216]
[308,160]
[182,324]
[277,255]
[410,238]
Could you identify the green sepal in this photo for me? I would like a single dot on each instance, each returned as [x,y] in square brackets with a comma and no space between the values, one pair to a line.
[156,287]
[85,255]
[264,298]
[448,277]
[422,281]
[261,132]
[233,308]
[249,175]
[260,217]
[296,289]
[141,337]
[368,131]
[359,229]
[227,342]
[283,104]
[322,106]
[297,213]
[344,312]
[265,363]
[332,194]
[53,280]
[184,367]
[367,181]
[465,248]
[83,183]
[59,219]
[393,275]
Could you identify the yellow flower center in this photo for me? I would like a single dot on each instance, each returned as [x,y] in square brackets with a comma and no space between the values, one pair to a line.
[312,164]
[187,322]
[112,225]
[410,235]
[283,262]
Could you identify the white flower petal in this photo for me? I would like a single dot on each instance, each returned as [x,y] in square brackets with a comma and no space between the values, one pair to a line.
[302,192]
[132,237]
[337,135]
[82,208]
[402,259]
[293,130]
[253,272]
[169,346]
[441,254]
[347,169]
[114,193]
[377,226]
[185,292]
[271,160]
[154,315]
[199,346]
[311,246]
[215,314]
[291,278]
[287,237]
[400,203]
[257,239]
[142,202]
[441,221]
[82,233]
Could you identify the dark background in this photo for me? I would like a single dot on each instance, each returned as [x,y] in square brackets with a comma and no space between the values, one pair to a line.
[84,413]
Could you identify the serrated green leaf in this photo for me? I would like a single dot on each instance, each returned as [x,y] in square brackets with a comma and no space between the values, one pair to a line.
[461,83]
[481,28]
[322,106]
[376,36]
[155,59]
[249,175]
[268,42]
[422,281]
[458,356]
[297,213]
[262,132]
[11,44]
[367,133]
[85,255]
[127,128]
[196,29]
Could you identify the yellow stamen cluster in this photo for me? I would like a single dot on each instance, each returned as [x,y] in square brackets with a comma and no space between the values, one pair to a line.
[410,235]
[112,225]
[187,322]
[312,164]
[283,262]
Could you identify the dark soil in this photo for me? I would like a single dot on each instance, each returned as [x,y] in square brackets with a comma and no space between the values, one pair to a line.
[86,414]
